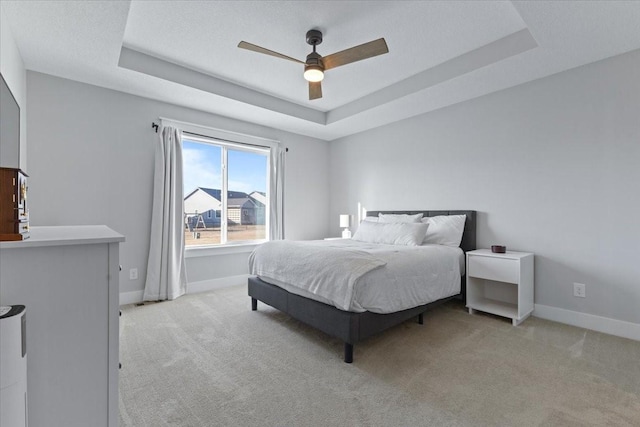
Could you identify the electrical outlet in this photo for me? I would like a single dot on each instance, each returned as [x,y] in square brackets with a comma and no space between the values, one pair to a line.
[579,290]
[133,274]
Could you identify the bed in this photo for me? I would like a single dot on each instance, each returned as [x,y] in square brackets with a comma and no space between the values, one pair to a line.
[347,323]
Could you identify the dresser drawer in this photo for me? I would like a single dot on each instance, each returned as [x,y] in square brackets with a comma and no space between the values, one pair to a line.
[500,269]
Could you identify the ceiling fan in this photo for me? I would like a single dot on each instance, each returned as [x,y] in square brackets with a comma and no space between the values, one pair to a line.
[316,64]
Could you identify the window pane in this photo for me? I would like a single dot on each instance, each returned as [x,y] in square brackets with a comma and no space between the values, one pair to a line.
[247,199]
[202,184]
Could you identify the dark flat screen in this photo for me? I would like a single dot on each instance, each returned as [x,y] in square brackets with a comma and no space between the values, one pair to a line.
[9,128]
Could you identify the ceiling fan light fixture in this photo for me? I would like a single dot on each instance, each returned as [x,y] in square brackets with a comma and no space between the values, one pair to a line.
[316,64]
[313,73]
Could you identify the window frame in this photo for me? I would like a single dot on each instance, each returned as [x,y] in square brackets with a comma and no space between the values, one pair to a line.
[235,141]
[225,146]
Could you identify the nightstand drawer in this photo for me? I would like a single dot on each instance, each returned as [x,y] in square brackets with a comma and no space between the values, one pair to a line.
[500,269]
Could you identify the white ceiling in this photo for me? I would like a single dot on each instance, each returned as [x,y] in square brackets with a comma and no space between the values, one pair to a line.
[440,52]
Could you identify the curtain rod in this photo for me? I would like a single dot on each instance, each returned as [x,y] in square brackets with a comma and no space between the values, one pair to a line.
[156,126]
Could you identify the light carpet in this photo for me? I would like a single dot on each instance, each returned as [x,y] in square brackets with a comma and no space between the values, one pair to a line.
[208,360]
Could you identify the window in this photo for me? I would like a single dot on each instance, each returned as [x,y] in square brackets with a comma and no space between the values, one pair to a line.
[226,198]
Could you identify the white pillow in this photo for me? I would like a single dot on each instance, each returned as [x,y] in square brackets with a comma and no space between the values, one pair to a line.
[391,233]
[399,217]
[445,229]
[370,219]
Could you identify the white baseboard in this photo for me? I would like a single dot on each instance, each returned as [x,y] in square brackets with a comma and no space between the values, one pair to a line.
[606,325]
[223,282]
[133,297]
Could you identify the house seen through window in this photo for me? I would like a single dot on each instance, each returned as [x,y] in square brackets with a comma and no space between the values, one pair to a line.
[225,192]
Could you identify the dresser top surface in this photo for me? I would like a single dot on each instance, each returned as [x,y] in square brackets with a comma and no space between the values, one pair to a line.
[64,235]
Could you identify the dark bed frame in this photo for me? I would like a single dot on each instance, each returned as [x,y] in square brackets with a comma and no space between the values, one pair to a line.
[348,326]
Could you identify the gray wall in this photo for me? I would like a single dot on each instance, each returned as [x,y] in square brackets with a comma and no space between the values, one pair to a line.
[552,167]
[91,154]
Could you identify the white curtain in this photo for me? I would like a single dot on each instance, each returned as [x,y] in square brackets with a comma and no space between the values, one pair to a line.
[166,272]
[276,202]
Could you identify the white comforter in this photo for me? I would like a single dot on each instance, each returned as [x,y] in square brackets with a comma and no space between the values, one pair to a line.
[356,276]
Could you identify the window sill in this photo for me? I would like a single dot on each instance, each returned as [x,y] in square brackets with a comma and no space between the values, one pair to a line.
[202,251]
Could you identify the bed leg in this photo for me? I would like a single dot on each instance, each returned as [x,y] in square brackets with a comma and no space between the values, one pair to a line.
[254,304]
[421,319]
[348,352]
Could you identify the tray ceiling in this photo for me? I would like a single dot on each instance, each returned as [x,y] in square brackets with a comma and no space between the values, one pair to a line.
[440,52]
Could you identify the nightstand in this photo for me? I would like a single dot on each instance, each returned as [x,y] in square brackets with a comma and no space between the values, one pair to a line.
[500,284]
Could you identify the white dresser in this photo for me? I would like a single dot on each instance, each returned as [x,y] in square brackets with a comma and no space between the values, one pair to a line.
[68,278]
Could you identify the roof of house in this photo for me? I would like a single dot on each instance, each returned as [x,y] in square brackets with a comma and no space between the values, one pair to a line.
[235,199]
[215,193]
[259,198]
[230,194]
[239,202]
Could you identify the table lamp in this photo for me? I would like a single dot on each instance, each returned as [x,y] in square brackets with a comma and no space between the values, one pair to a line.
[345,221]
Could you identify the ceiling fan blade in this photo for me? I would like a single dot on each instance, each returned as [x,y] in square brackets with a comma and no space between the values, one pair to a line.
[315,90]
[259,49]
[356,53]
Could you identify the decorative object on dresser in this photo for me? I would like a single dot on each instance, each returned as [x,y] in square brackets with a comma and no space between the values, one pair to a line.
[498,249]
[14,215]
[500,283]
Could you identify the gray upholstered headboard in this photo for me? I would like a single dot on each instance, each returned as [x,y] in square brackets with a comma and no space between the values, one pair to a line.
[469,235]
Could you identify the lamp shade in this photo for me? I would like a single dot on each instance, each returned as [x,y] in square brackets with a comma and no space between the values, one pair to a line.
[345,220]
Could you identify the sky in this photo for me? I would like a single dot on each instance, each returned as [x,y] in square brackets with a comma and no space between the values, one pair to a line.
[247,171]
